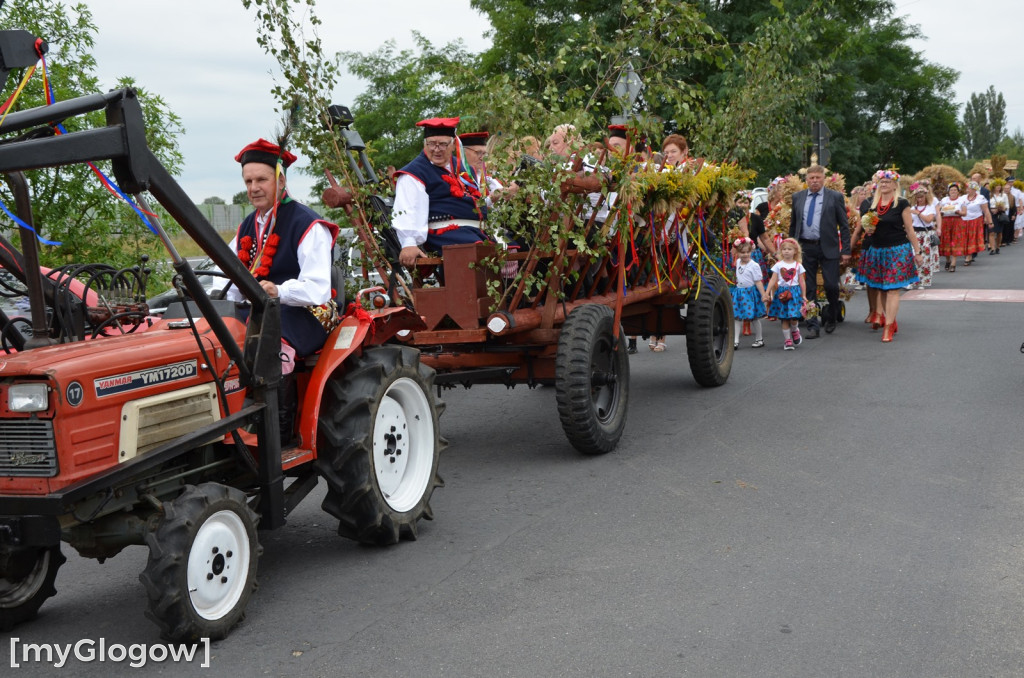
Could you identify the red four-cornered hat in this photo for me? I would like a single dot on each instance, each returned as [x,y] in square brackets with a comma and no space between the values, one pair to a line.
[263,151]
[474,138]
[617,131]
[438,127]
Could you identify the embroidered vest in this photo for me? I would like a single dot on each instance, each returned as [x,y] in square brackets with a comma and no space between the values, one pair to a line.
[449,197]
[293,222]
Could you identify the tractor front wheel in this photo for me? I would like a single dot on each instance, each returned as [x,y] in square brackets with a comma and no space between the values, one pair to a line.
[202,563]
[26,580]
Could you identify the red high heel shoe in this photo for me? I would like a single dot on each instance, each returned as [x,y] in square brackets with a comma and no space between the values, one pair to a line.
[879,321]
[890,330]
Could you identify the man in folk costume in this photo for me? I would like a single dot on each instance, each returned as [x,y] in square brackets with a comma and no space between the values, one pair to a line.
[288,248]
[434,207]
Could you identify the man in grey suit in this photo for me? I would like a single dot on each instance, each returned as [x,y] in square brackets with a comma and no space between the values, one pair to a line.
[819,224]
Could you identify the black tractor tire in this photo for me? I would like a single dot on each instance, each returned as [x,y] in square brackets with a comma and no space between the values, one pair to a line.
[379,444]
[202,563]
[709,330]
[26,583]
[592,379]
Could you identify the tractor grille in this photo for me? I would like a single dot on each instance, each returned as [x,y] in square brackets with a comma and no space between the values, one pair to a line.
[150,422]
[168,421]
[27,448]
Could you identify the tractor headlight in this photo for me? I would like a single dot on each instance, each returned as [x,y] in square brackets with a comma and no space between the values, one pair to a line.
[27,398]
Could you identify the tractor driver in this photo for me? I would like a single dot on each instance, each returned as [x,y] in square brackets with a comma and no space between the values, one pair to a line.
[434,207]
[287,247]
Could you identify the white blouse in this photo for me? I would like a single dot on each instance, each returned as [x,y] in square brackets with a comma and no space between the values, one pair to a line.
[974,210]
[917,212]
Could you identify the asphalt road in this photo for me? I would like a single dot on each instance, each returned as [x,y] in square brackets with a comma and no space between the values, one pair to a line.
[847,509]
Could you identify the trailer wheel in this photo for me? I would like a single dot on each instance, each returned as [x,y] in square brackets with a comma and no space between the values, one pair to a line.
[202,563]
[709,328]
[841,315]
[592,379]
[378,445]
[26,582]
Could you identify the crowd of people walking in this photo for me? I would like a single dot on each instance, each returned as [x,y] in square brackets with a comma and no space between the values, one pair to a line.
[891,235]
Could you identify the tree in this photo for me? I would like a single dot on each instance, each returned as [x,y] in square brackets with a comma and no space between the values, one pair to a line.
[984,123]
[240,198]
[883,102]
[568,56]
[404,87]
[754,115]
[308,77]
[70,204]
[214,200]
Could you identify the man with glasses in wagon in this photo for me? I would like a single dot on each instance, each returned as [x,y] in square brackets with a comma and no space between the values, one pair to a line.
[433,206]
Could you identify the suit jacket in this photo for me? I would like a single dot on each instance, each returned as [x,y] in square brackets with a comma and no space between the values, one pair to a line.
[835,229]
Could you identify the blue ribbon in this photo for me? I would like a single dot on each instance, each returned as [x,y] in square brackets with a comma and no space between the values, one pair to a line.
[21,223]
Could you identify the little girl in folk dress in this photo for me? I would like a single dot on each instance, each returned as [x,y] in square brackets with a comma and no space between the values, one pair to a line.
[747,295]
[788,304]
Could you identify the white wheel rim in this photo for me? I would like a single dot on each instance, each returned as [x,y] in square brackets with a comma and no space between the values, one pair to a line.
[15,593]
[403,444]
[218,565]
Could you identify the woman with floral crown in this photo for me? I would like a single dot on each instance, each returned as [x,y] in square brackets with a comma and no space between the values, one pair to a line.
[953,239]
[977,216]
[999,205]
[924,218]
[891,261]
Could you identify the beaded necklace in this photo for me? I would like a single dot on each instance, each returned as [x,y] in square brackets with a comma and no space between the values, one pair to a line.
[882,210]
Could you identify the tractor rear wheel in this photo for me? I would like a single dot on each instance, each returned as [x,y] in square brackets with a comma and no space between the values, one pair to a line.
[709,328]
[26,580]
[202,563]
[379,444]
[592,379]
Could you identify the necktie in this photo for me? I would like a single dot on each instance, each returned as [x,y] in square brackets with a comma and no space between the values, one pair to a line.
[810,212]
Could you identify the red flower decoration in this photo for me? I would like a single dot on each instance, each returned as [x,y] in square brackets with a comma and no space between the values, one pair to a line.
[270,249]
[244,250]
[454,186]
[248,253]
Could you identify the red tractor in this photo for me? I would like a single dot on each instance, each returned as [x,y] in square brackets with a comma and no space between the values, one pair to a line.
[117,429]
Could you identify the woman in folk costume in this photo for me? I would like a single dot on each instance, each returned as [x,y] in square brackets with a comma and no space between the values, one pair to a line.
[891,262]
[953,238]
[977,217]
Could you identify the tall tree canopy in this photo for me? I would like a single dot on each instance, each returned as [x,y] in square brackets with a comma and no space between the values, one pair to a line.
[743,79]
[984,123]
[882,101]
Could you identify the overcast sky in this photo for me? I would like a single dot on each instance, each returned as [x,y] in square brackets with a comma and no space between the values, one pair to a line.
[202,57]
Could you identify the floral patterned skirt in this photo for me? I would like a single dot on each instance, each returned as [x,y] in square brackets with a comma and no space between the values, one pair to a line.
[888,268]
[746,303]
[787,309]
[953,240]
[974,235]
[930,259]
